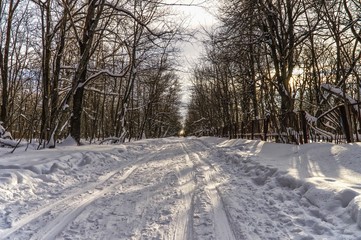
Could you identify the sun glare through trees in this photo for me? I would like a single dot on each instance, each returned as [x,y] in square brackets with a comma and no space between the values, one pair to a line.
[282,70]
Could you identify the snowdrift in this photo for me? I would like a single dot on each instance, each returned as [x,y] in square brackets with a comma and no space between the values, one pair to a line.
[327,176]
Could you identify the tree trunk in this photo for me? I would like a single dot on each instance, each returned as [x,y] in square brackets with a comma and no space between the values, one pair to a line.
[4,62]
[46,58]
[91,22]
[54,100]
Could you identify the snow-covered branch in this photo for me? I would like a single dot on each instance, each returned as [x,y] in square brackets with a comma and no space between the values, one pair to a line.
[310,118]
[338,92]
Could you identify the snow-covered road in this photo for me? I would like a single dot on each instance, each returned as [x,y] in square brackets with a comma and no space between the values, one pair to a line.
[178,188]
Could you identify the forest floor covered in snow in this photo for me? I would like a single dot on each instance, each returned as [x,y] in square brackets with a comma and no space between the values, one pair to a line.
[182,188]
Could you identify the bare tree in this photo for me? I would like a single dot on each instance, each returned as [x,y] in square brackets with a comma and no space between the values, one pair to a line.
[7,8]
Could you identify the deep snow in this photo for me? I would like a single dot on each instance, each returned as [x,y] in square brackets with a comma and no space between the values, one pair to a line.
[182,188]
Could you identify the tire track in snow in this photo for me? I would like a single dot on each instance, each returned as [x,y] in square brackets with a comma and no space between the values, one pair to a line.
[211,219]
[184,222]
[240,204]
[238,233]
[70,207]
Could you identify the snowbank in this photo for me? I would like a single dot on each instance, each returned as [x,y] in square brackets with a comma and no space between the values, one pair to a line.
[327,176]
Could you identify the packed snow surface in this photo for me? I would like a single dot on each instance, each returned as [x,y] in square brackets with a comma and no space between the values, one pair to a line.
[182,188]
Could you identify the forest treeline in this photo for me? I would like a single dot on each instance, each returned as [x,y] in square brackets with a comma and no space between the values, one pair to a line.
[272,61]
[91,69]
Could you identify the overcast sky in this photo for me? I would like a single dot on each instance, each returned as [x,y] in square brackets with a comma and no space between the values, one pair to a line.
[196,18]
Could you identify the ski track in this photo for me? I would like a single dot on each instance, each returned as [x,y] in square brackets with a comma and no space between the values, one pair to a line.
[183,189]
[143,208]
[34,215]
[250,219]
[184,222]
[53,228]
[72,205]
[210,219]
[198,211]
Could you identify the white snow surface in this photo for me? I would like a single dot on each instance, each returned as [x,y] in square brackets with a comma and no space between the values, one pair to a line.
[182,188]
